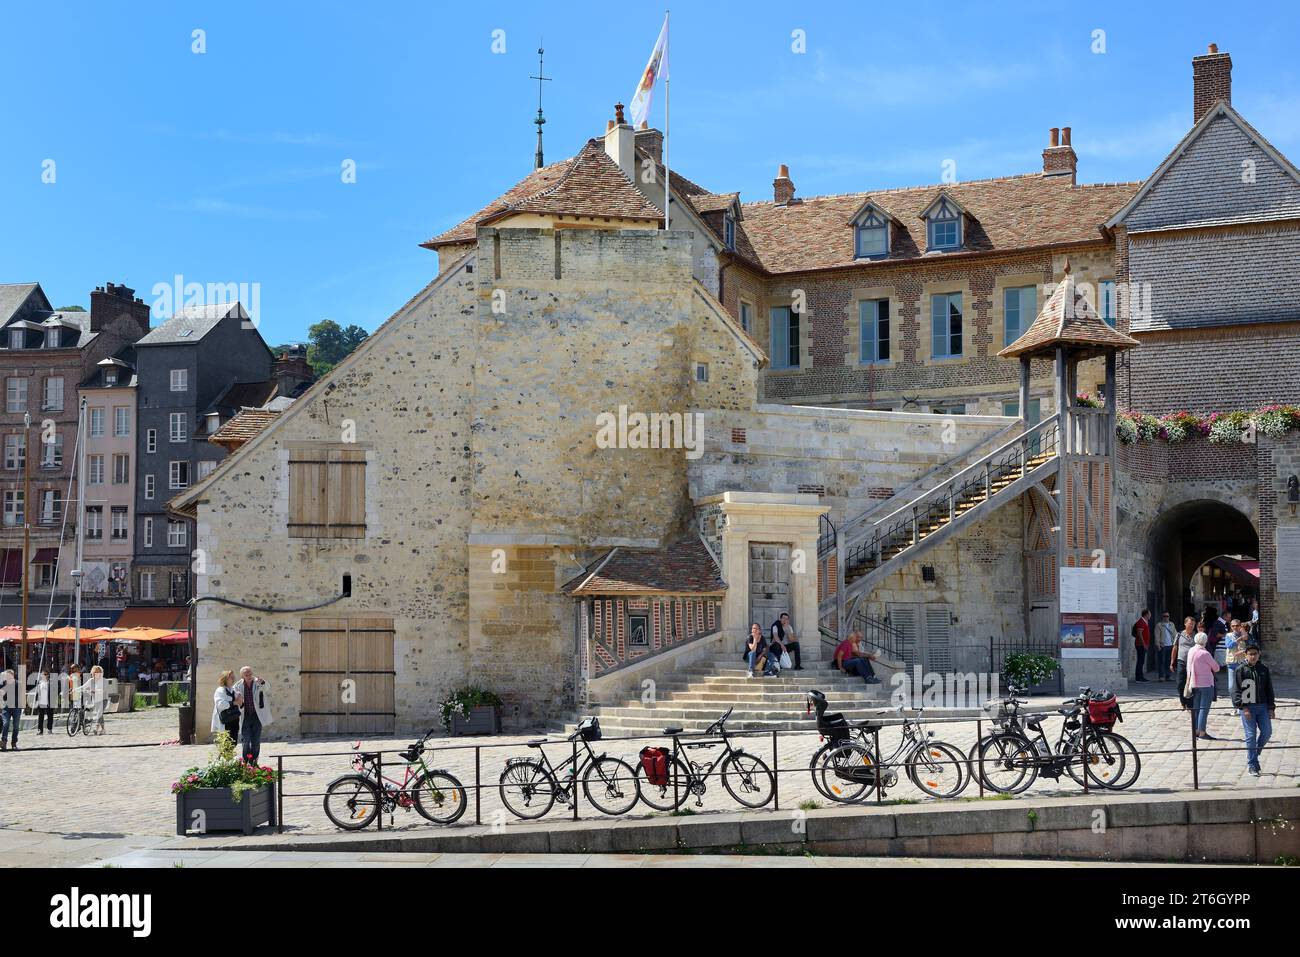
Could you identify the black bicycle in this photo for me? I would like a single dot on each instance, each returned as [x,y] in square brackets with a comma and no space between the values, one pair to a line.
[353,801]
[530,786]
[745,776]
[1011,758]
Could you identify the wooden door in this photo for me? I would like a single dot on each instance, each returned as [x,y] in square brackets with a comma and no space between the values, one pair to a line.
[347,676]
[769,585]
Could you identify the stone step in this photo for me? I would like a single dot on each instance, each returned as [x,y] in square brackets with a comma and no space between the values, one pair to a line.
[737,697]
[668,715]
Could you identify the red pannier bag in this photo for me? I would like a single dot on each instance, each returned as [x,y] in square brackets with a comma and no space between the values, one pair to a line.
[655,763]
[1103,709]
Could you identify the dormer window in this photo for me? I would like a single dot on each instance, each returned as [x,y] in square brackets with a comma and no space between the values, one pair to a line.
[870,232]
[17,338]
[110,377]
[729,230]
[943,225]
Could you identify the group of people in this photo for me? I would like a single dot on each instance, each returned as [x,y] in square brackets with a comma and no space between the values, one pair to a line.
[768,654]
[1193,657]
[242,709]
[49,692]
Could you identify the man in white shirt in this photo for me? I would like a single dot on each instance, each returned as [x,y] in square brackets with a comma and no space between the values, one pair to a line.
[1165,632]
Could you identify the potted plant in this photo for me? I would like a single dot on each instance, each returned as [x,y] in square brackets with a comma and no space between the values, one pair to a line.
[224,795]
[471,710]
[1023,670]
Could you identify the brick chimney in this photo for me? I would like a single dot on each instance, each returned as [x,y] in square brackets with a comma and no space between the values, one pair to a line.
[783,187]
[620,143]
[1211,81]
[651,142]
[112,301]
[1059,159]
[290,370]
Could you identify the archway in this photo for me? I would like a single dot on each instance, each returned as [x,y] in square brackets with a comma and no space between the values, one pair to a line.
[1188,537]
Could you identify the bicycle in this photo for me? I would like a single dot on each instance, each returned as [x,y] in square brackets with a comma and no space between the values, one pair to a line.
[1010,760]
[81,718]
[530,786]
[745,776]
[353,801]
[844,769]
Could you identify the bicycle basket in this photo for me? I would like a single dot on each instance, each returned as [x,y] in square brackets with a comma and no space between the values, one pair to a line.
[1103,709]
[589,728]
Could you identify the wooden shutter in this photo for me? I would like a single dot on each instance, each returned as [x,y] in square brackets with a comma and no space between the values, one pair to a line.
[938,642]
[340,650]
[327,493]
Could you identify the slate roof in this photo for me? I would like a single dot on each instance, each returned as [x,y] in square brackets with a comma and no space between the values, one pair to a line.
[682,568]
[189,324]
[12,296]
[1069,320]
[1014,212]
[589,184]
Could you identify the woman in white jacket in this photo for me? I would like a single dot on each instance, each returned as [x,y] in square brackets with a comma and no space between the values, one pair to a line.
[222,698]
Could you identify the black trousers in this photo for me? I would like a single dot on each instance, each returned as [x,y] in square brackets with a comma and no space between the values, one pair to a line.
[1180,678]
[793,648]
[45,719]
[1140,657]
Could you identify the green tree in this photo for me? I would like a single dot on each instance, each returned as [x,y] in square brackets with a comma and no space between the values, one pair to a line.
[329,344]
[70,309]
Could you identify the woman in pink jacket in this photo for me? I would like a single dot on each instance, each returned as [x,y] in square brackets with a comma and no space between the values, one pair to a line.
[1201,667]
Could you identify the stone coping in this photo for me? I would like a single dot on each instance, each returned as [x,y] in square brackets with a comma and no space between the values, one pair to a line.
[1220,826]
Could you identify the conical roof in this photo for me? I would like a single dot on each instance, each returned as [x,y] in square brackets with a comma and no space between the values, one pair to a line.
[1068,320]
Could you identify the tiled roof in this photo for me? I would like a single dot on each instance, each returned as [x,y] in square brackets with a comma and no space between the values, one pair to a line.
[1069,320]
[713,202]
[589,184]
[683,568]
[244,426]
[189,324]
[1014,212]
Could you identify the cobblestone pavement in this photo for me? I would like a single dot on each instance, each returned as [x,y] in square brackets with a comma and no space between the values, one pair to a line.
[97,792]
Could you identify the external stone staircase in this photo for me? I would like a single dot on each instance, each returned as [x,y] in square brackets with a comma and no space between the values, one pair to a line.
[697,696]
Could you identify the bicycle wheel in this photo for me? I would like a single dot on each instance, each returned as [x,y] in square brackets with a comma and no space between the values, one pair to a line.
[1132,767]
[351,802]
[747,779]
[937,769]
[814,769]
[76,718]
[439,797]
[1007,763]
[847,772]
[610,785]
[527,789]
[663,797]
[1105,762]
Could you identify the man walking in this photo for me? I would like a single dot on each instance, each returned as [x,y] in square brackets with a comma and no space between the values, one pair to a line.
[1253,695]
[11,711]
[1141,642]
[255,714]
[1183,644]
[1165,632]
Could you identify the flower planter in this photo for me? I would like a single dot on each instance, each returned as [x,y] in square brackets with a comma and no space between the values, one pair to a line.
[485,719]
[221,812]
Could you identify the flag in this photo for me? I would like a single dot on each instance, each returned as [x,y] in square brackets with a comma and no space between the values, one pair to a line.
[656,67]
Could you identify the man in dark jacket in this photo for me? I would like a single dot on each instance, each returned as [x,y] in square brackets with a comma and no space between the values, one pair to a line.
[1253,696]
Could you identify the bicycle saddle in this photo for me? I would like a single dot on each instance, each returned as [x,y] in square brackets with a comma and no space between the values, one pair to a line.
[536,742]
[672,730]
[1069,709]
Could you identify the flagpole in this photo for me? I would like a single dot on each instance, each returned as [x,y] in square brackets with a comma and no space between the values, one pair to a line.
[668,82]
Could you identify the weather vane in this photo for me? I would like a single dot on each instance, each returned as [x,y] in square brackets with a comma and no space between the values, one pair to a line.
[541,77]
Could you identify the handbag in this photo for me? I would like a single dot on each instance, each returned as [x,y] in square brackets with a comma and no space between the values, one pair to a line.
[229,713]
[761,663]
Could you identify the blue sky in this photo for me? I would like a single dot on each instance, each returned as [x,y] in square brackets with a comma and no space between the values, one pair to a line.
[225,166]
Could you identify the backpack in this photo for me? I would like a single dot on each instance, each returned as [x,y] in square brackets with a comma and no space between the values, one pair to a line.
[654,761]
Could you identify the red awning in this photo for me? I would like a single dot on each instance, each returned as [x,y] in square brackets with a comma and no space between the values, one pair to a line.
[11,567]
[45,556]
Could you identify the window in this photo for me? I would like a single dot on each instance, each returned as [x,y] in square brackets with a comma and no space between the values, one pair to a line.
[16,394]
[121,469]
[1106,301]
[15,451]
[746,316]
[95,469]
[945,325]
[52,453]
[327,493]
[944,234]
[121,420]
[1011,407]
[177,426]
[180,380]
[1019,308]
[51,506]
[954,408]
[176,534]
[54,337]
[53,400]
[97,422]
[785,338]
[872,236]
[120,520]
[148,487]
[95,522]
[701,372]
[873,330]
[178,475]
[729,230]
[179,591]
[17,338]
[151,440]
[147,528]
[110,376]
[13,508]
[44,575]
[147,580]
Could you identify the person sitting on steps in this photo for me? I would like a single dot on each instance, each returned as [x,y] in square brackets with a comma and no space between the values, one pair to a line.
[783,632]
[756,649]
[852,657]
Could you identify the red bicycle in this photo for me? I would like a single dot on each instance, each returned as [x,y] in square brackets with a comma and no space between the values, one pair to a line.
[353,801]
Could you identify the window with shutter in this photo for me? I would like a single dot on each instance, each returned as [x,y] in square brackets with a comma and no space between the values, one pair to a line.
[327,493]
